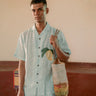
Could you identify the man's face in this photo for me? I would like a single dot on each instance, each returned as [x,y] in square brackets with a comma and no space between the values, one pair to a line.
[39,12]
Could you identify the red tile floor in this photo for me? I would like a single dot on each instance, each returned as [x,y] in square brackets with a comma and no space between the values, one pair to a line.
[79,84]
[82,79]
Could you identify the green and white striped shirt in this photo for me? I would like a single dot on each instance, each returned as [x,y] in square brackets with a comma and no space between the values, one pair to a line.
[38,77]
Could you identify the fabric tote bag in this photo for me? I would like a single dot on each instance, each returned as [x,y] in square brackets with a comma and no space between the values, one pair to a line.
[59,76]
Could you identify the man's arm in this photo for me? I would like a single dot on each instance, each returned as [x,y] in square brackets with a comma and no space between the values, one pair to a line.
[21,74]
[63,57]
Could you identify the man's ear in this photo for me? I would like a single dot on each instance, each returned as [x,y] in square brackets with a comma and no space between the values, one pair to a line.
[47,10]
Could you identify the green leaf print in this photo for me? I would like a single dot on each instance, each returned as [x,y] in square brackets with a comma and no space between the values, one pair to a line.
[44,50]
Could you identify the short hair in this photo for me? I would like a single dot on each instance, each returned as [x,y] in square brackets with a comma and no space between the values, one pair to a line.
[38,1]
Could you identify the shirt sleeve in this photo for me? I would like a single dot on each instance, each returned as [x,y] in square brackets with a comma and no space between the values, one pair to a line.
[20,52]
[62,43]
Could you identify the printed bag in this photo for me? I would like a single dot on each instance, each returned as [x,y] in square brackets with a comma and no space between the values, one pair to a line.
[59,77]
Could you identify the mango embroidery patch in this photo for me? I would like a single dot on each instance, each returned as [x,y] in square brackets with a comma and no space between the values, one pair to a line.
[48,52]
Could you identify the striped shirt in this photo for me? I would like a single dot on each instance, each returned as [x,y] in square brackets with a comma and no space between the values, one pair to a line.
[38,65]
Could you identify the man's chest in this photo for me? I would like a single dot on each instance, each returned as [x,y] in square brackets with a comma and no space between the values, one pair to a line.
[35,43]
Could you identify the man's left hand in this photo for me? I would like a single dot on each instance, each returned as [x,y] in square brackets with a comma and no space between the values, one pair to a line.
[53,40]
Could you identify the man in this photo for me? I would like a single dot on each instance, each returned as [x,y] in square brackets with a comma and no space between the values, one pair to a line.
[34,51]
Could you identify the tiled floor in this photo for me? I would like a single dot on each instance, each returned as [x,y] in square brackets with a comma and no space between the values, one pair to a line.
[6,84]
[81,76]
[82,84]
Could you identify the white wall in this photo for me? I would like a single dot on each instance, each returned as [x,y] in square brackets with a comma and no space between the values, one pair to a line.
[76,18]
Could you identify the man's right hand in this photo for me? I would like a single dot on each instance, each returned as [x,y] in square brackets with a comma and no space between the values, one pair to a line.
[20,93]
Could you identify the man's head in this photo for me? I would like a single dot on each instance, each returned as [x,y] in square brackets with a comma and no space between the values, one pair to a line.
[39,10]
[39,1]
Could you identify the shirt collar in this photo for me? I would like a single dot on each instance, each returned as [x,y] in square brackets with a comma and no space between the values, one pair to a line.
[45,30]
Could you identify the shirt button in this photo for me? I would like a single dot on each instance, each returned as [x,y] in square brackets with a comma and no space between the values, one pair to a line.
[39,38]
[37,82]
[38,65]
[38,55]
[37,73]
[39,47]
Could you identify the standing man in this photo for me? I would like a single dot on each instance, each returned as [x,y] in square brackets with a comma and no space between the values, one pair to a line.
[34,51]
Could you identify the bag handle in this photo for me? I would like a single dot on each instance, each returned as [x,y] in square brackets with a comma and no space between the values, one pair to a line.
[56,32]
[57,61]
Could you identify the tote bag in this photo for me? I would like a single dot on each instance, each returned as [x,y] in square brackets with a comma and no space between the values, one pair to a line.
[59,76]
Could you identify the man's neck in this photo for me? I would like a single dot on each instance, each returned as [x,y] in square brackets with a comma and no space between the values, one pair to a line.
[40,27]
